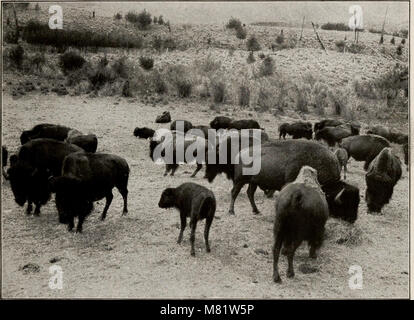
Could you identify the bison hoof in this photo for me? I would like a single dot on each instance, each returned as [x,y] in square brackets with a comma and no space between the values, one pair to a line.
[124,213]
[231,212]
[256,212]
[208,250]
[290,274]
[193,254]
[313,255]
[277,279]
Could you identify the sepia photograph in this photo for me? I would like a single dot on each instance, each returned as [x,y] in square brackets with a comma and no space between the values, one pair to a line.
[205,150]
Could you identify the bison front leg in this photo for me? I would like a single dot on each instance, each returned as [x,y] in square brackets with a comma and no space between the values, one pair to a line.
[109,198]
[250,194]
[71,224]
[209,220]
[37,209]
[234,193]
[193,224]
[276,253]
[80,223]
[29,207]
[183,225]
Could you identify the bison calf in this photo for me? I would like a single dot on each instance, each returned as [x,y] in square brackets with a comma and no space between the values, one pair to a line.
[193,201]
[383,174]
[144,133]
[342,157]
[88,177]
[301,214]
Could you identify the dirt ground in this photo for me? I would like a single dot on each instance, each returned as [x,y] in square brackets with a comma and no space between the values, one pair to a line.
[137,255]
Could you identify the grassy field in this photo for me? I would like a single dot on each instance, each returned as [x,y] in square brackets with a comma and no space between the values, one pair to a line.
[137,255]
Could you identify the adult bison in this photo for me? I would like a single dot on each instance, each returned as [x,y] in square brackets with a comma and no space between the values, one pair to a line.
[88,142]
[334,135]
[31,167]
[364,147]
[181,125]
[280,163]
[143,133]
[296,130]
[326,123]
[383,174]
[47,130]
[389,134]
[88,177]
[220,122]
[301,214]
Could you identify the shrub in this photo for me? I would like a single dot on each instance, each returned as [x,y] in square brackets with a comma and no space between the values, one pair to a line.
[161,20]
[339,100]
[234,24]
[335,26]
[219,90]
[403,41]
[100,76]
[146,63]
[103,62]
[160,85]
[356,48]
[184,87]
[262,55]
[38,60]
[16,55]
[155,20]
[118,16]
[244,96]
[161,44]
[241,33]
[142,19]
[280,39]
[120,67]
[399,50]
[392,40]
[70,60]
[301,101]
[404,33]
[253,44]
[340,45]
[267,67]
[208,64]
[250,57]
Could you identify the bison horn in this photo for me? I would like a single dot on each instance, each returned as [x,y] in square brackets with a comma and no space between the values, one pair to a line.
[338,196]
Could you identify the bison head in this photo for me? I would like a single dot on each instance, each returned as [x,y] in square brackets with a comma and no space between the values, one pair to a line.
[167,199]
[27,182]
[343,200]
[25,137]
[71,198]
[379,191]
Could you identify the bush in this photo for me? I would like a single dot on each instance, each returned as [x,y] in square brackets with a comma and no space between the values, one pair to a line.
[280,39]
[120,67]
[208,64]
[335,26]
[161,20]
[402,41]
[244,96]
[250,57]
[267,67]
[301,101]
[118,16]
[146,63]
[253,44]
[16,55]
[356,48]
[38,60]
[339,100]
[142,19]
[219,91]
[241,33]
[262,55]
[392,40]
[100,76]
[399,50]
[340,45]
[159,84]
[234,24]
[184,87]
[161,44]
[39,33]
[70,60]
[155,20]
[404,33]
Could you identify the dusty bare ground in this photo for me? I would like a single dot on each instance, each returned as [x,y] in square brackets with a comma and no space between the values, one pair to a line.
[137,255]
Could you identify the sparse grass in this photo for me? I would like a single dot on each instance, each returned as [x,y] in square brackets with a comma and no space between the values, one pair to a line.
[70,61]
[16,56]
[267,67]
[252,44]
[250,57]
[219,90]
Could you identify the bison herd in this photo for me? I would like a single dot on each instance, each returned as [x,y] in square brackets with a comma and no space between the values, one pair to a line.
[55,159]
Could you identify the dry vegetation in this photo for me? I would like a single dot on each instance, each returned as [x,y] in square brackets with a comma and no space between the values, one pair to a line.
[197,72]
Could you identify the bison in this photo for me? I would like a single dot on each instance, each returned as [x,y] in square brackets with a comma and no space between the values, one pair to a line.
[334,135]
[244,124]
[165,117]
[364,147]
[342,157]
[389,134]
[220,122]
[195,202]
[406,151]
[47,130]
[88,142]
[326,123]
[280,163]
[88,177]
[383,174]
[30,168]
[144,132]
[296,129]
[301,214]
[184,124]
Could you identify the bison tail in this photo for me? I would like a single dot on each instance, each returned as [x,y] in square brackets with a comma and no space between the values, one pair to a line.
[296,199]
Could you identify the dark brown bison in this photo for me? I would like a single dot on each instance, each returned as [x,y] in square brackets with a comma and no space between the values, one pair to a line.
[364,147]
[30,168]
[195,202]
[301,214]
[296,130]
[326,123]
[220,122]
[88,142]
[280,163]
[405,148]
[382,175]
[4,157]
[389,134]
[88,177]
[47,130]
[334,135]
[165,117]
[181,124]
[143,133]
[244,124]
[342,157]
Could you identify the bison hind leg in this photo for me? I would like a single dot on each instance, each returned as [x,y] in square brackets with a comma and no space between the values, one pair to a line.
[109,198]
[250,193]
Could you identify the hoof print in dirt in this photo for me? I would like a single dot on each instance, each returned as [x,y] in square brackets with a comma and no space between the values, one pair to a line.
[30,268]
